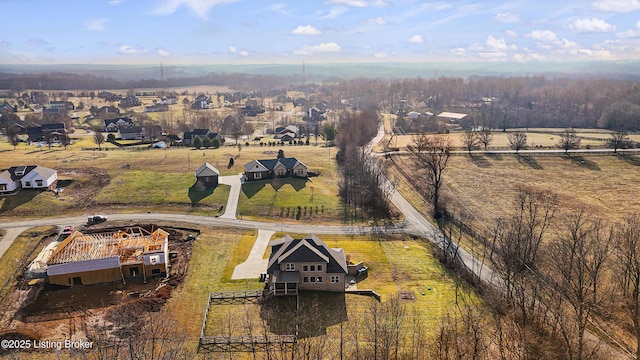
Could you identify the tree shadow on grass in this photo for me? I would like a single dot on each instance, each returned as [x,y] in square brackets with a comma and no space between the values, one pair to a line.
[495,156]
[199,191]
[251,188]
[480,161]
[529,161]
[17,199]
[582,161]
[318,311]
[630,159]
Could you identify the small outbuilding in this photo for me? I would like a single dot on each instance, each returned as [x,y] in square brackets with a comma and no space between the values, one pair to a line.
[207,175]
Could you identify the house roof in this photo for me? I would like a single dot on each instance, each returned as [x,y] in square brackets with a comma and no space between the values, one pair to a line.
[309,249]
[114,121]
[130,130]
[53,126]
[452,115]
[16,173]
[207,170]
[270,164]
[201,131]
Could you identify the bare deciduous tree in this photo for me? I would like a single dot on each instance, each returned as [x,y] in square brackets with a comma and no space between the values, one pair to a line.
[432,152]
[13,135]
[569,140]
[627,270]
[619,140]
[470,140]
[517,140]
[485,137]
[98,137]
[577,258]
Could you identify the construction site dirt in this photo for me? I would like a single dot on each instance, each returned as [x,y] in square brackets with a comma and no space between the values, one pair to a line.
[55,313]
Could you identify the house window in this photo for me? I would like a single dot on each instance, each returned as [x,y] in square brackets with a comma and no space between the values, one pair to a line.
[299,171]
[313,268]
[3,187]
[27,184]
[319,267]
[319,279]
[257,176]
[313,279]
[305,279]
[290,267]
[38,182]
[305,268]
[335,279]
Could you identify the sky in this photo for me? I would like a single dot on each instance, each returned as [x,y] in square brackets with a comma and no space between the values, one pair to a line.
[315,31]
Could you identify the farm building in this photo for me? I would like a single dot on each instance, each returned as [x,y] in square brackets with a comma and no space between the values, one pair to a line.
[305,264]
[134,254]
[207,175]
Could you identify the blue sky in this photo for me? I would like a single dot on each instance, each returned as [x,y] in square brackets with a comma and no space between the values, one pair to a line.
[242,31]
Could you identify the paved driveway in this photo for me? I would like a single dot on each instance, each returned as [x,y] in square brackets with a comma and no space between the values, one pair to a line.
[235,181]
[255,264]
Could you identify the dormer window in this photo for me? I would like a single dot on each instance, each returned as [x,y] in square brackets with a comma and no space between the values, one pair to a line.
[290,267]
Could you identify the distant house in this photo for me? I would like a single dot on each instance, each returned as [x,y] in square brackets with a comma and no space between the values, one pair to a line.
[305,264]
[156,108]
[7,108]
[189,136]
[288,133]
[37,133]
[251,108]
[451,116]
[131,133]
[207,175]
[107,111]
[202,101]
[130,101]
[268,169]
[300,102]
[112,125]
[171,100]
[65,105]
[27,177]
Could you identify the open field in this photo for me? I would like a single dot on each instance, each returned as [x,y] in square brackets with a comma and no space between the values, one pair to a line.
[500,139]
[156,179]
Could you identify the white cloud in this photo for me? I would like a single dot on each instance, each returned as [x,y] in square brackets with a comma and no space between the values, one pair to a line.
[632,33]
[498,44]
[280,8]
[459,52]
[116,2]
[164,53]
[493,55]
[330,47]
[377,21]
[358,3]
[96,24]
[511,33]
[416,39]
[568,44]
[508,18]
[4,43]
[132,50]
[306,30]
[199,7]
[232,49]
[244,53]
[380,55]
[590,25]
[36,42]
[620,6]
[335,12]
[543,35]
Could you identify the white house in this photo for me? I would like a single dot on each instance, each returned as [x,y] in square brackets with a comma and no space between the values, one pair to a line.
[28,177]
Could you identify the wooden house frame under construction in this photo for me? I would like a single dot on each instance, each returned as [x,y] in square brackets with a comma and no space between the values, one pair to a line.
[134,253]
